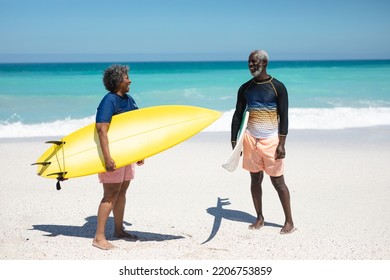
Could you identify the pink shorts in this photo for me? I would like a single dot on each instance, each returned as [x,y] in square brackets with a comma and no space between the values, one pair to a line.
[259,155]
[119,175]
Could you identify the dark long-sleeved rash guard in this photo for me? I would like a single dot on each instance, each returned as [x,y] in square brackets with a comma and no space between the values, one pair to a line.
[267,103]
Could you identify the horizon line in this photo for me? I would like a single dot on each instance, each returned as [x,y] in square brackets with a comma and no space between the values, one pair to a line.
[188,61]
[167,57]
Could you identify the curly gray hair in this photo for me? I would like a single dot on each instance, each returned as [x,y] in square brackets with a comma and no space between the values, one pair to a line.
[113,76]
[261,54]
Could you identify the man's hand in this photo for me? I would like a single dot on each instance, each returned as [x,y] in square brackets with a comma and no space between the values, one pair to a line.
[280,150]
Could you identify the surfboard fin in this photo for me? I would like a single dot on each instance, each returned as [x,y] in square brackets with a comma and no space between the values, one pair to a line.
[44,163]
[58,143]
[60,178]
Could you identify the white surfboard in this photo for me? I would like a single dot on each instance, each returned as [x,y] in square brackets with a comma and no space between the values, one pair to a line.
[232,161]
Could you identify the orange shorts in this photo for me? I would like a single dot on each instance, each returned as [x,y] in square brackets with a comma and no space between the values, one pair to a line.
[259,155]
[125,173]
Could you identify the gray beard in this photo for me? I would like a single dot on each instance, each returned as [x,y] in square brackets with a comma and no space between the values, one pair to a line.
[257,73]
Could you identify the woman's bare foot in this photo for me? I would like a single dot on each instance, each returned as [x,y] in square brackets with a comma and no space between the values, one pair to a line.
[103,244]
[257,225]
[287,228]
[124,234]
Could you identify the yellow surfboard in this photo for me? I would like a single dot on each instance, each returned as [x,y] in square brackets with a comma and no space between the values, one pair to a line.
[133,136]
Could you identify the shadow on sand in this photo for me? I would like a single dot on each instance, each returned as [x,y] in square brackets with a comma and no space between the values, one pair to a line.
[220,213]
[88,231]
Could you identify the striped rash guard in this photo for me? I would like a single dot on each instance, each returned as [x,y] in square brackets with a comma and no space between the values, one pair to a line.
[267,103]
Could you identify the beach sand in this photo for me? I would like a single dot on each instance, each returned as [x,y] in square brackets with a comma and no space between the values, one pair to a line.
[184,206]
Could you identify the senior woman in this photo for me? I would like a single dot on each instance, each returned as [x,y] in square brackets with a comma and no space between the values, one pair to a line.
[115,181]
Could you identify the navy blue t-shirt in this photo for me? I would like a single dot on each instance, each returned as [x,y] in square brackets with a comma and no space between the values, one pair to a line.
[112,104]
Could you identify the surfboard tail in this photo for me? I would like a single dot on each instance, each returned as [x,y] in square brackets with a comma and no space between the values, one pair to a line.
[233,160]
[229,166]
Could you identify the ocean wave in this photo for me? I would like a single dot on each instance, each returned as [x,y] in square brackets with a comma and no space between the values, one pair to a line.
[322,118]
[299,118]
[338,118]
[17,129]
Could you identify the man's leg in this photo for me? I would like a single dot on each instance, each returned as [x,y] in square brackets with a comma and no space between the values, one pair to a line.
[257,193]
[284,196]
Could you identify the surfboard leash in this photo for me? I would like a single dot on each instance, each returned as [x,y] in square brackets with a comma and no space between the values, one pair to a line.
[60,178]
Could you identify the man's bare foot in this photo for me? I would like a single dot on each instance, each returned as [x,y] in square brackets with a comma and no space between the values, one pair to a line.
[257,225]
[287,228]
[104,244]
[124,234]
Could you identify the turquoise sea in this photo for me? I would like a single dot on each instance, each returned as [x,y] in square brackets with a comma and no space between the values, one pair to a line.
[57,98]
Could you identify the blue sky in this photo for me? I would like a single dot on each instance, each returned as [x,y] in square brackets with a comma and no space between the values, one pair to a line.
[97,30]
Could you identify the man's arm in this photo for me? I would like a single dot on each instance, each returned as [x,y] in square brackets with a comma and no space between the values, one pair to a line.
[238,114]
[282,104]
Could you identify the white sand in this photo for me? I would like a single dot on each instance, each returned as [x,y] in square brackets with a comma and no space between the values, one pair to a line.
[185,206]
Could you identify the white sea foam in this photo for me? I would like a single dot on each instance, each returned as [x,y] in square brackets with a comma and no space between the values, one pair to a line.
[339,118]
[57,128]
[312,118]
[322,118]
